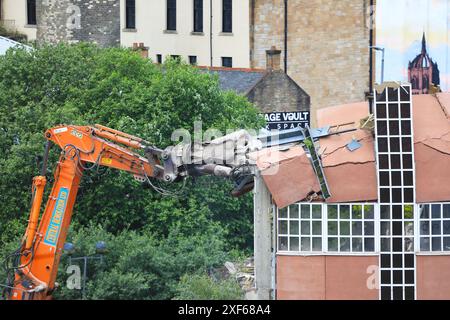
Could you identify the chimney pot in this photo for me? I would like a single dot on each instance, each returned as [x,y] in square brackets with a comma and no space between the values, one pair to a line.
[273,59]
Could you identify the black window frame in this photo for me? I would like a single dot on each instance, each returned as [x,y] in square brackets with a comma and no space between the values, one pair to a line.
[130,14]
[176,57]
[193,60]
[198,15]
[225,61]
[31,13]
[171,15]
[227,16]
[159,58]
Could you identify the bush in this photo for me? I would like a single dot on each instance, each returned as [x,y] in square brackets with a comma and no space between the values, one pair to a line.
[202,287]
[137,266]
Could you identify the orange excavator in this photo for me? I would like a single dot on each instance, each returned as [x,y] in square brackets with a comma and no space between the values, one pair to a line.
[33,267]
[33,270]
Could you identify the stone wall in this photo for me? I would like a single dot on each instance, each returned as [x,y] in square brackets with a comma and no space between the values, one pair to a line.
[328,46]
[278,92]
[96,21]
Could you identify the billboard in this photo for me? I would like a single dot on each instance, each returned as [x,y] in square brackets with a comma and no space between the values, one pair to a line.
[415,35]
[287,120]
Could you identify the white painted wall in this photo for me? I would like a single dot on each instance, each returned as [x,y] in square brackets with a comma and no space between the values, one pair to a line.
[151,23]
[14,13]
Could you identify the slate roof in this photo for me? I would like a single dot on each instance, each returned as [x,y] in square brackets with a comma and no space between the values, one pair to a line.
[238,80]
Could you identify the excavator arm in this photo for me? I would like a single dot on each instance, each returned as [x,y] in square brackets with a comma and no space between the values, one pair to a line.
[33,270]
[36,262]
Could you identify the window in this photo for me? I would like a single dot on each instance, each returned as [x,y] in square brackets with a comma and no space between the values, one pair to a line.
[227,62]
[198,15]
[327,228]
[434,227]
[300,228]
[130,19]
[159,58]
[193,60]
[227,16]
[176,57]
[351,228]
[31,12]
[172,15]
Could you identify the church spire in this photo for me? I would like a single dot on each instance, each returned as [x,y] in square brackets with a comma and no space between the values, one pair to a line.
[424,44]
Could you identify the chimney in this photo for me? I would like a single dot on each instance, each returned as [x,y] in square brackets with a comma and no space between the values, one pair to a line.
[141,48]
[273,59]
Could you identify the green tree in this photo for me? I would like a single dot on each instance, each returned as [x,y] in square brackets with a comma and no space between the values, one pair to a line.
[203,287]
[139,266]
[83,84]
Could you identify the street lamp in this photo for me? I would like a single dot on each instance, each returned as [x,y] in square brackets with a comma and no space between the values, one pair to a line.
[382,60]
[100,250]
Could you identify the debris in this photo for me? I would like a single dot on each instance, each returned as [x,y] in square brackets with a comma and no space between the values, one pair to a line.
[230,267]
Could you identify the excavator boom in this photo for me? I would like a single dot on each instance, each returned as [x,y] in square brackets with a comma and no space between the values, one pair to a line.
[32,273]
[83,147]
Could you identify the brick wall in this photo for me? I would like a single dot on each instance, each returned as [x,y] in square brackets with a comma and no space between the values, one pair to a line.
[79,20]
[328,40]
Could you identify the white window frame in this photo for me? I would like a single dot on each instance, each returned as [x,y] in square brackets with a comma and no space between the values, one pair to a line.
[430,236]
[325,235]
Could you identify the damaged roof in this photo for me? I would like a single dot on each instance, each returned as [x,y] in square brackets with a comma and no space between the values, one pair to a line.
[351,175]
[432,147]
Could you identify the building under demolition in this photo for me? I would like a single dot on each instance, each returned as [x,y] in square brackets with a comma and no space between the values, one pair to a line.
[384,232]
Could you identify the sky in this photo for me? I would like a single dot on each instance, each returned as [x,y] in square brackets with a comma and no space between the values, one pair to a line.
[400,26]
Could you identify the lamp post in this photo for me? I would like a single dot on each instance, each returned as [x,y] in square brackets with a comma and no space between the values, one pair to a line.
[382,60]
[100,250]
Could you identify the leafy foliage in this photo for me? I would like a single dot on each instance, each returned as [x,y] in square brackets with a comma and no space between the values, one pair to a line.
[83,84]
[138,266]
[202,287]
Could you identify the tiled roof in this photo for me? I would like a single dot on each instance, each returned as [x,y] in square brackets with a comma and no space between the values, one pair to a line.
[238,80]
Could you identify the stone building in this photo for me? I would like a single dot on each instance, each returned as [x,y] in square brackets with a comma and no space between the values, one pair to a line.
[270,89]
[79,20]
[326,41]
[208,33]
[327,44]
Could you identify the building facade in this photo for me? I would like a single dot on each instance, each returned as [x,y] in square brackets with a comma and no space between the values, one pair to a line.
[324,43]
[20,16]
[207,36]
[78,20]
[384,233]
[202,32]
[270,89]
[327,44]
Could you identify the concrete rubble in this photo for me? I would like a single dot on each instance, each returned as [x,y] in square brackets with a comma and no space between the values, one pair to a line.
[244,273]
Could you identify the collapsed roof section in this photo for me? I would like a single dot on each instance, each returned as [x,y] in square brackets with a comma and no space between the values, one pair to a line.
[349,161]
[432,147]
